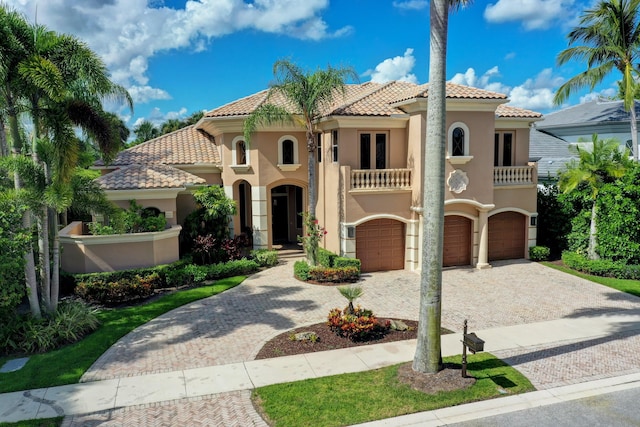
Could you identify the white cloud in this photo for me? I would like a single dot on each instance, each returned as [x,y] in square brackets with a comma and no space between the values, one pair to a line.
[534,14]
[396,68]
[157,117]
[535,93]
[144,94]
[603,94]
[411,4]
[126,33]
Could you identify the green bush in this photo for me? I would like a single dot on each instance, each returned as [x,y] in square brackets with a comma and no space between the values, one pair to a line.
[341,262]
[539,253]
[265,257]
[301,270]
[334,274]
[601,267]
[118,291]
[326,258]
[25,334]
[238,267]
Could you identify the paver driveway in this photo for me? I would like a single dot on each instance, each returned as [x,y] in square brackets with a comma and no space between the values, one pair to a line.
[232,327]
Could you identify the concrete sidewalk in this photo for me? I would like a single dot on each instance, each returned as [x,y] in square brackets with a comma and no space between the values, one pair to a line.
[95,396]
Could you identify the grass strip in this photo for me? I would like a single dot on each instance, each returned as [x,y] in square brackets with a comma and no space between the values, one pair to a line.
[67,364]
[372,395]
[42,422]
[631,287]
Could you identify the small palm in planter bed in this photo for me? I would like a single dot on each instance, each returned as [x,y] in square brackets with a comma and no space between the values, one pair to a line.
[356,323]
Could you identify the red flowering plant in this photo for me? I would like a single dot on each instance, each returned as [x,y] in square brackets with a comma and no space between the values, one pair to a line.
[313,232]
[355,323]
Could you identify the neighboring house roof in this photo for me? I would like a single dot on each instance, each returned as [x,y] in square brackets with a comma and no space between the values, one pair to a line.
[372,99]
[553,153]
[590,117]
[145,177]
[186,146]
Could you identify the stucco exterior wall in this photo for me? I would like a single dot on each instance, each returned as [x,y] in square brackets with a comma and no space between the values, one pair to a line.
[90,254]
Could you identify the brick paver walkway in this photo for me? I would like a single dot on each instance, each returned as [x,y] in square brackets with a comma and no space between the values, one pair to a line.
[232,327]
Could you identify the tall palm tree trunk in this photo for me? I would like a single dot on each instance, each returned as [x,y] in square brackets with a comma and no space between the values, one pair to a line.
[4,146]
[634,131]
[311,147]
[428,357]
[593,232]
[30,263]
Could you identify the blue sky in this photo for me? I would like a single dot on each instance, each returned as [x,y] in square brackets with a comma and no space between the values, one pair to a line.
[178,56]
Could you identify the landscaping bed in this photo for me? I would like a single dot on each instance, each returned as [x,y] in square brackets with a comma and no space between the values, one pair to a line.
[283,345]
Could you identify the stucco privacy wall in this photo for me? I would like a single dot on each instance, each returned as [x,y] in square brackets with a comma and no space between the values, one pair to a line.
[90,254]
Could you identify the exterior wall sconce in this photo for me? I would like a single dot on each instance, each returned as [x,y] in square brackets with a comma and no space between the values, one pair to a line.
[351,232]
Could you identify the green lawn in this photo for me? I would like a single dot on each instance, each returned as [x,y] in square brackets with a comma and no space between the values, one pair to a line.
[44,422]
[624,285]
[366,396]
[66,365]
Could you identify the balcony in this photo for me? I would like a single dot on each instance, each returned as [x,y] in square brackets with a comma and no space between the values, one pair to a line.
[380,179]
[514,176]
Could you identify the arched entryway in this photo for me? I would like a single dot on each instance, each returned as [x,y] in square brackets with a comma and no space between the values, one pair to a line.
[457,241]
[286,207]
[507,236]
[380,245]
[243,202]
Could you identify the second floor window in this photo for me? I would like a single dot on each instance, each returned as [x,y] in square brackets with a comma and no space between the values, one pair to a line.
[287,152]
[241,153]
[319,143]
[334,146]
[373,150]
[457,142]
[503,149]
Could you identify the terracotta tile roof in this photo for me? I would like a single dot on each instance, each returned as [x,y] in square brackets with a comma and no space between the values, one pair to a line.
[143,177]
[507,111]
[367,99]
[186,146]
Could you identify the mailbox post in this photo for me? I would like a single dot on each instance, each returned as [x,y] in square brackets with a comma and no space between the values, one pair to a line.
[471,341]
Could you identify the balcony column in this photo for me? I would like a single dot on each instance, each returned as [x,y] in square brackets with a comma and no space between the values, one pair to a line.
[483,247]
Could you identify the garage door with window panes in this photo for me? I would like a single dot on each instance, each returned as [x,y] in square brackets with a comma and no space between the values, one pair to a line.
[380,245]
[507,239]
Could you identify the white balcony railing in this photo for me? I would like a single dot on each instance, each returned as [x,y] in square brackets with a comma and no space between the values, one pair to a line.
[381,179]
[513,175]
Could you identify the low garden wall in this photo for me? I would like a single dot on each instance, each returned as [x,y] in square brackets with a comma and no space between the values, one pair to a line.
[91,254]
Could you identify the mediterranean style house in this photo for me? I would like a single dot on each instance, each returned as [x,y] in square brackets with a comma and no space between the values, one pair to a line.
[369,174]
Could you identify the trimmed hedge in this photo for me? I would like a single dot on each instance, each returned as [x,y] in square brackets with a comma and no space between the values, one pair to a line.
[601,267]
[305,272]
[301,270]
[341,262]
[326,258]
[119,287]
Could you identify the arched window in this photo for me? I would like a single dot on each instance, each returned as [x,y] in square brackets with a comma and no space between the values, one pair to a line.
[240,155]
[287,152]
[458,143]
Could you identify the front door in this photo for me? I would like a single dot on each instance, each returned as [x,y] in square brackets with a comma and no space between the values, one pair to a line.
[280,218]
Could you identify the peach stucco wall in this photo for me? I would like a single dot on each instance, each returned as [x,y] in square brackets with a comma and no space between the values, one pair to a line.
[89,254]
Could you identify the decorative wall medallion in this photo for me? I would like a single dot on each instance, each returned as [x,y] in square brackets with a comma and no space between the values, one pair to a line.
[458,181]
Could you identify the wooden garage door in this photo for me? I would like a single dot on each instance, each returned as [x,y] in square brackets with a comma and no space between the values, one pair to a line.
[506,236]
[457,241]
[380,245]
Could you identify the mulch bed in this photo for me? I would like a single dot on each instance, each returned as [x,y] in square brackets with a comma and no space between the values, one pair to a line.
[282,345]
[448,379]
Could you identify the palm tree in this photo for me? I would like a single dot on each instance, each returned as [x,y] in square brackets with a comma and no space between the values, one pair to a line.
[610,33]
[428,357]
[144,131]
[604,163]
[60,83]
[309,93]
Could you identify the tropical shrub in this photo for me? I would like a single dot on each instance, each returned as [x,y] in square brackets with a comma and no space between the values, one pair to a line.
[301,270]
[117,292]
[539,253]
[554,220]
[362,325]
[334,274]
[600,267]
[342,262]
[326,258]
[210,250]
[72,321]
[14,241]
[265,257]
[134,220]
[311,239]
